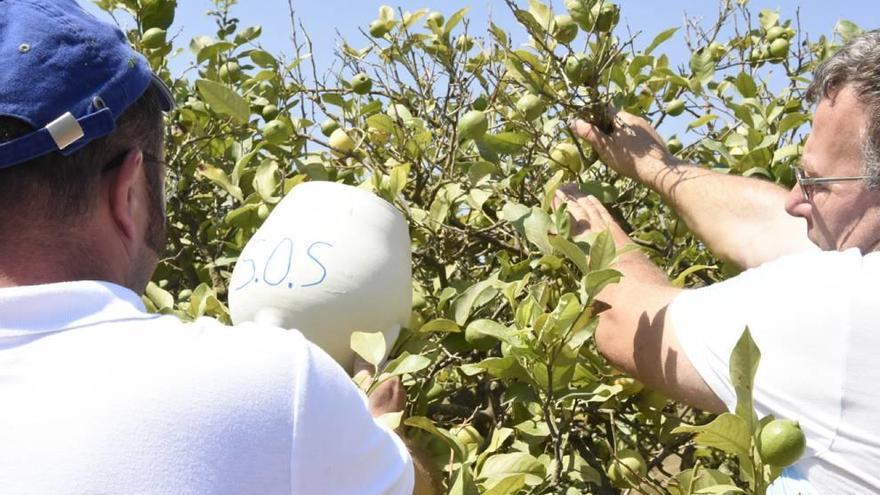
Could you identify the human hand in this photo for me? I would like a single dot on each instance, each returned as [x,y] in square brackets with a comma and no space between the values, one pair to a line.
[589,214]
[633,148]
[387,397]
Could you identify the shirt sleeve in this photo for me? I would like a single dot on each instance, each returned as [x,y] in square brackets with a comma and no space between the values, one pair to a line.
[797,309]
[338,448]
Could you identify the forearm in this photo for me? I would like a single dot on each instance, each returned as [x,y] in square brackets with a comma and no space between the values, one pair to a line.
[740,219]
[427,478]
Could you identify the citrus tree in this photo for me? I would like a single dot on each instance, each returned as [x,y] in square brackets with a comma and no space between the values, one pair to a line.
[466,134]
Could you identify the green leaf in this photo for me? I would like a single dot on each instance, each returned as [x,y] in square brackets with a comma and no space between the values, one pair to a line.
[219,177]
[537,226]
[682,277]
[507,486]
[602,251]
[500,466]
[407,364]
[847,30]
[266,181]
[768,18]
[506,143]
[746,85]
[597,280]
[571,251]
[223,100]
[248,34]
[727,432]
[465,303]
[454,20]
[447,437]
[440,325]
[660,38]
[369,346]
[705,119]
[703,66]
[489,327]
[744,362]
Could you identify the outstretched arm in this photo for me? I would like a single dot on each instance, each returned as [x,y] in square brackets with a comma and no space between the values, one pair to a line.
[740,219]
[634,334]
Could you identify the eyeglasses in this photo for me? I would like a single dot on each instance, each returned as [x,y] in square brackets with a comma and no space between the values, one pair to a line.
[807,183]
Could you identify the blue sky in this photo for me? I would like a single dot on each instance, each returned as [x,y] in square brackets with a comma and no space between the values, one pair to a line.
[327,20]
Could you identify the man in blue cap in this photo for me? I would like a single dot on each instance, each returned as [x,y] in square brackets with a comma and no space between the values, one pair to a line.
[98,395]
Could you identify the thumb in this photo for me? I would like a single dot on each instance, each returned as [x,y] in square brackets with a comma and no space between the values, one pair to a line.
[591,134]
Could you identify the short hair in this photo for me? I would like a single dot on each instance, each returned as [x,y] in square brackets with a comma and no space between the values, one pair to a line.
[57,188]
[856,64]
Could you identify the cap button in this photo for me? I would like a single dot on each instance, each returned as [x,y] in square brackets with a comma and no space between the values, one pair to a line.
[24,48]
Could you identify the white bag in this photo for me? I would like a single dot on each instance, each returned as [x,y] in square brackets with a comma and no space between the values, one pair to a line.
[330,260]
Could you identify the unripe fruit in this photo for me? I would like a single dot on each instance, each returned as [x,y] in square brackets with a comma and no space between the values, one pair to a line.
[379,28]
[565,29]
[579,11]
[566,156]
[473,125]
[675,145]
[328,126]
[378,137]
[779,48]
[607,15]
[341,142]
[153,38]
[675,107]
[230,72]
[627,469]
[578,69]
[276,132]
[530,106]
[464,43]
[480,103]
[469,437]
[269,112]
[782,443]
[262,211]
[435,19]
[361,84]
[775,32]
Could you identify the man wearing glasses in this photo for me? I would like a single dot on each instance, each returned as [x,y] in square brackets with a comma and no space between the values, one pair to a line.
[97,395]
[810,293]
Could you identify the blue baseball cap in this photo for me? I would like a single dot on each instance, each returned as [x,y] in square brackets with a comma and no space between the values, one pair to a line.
[67,74]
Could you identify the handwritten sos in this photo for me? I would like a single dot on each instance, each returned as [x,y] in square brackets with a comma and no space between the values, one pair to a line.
[289,264]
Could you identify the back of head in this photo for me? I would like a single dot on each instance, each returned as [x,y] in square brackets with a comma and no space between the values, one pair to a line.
[74,97]
[856,65]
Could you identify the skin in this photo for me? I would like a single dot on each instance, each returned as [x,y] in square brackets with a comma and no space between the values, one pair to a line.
[123,233]
[748,221]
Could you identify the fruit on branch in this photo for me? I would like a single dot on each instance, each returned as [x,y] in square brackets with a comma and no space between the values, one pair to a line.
[566,156]
[153,38]
[530,106]
[276,132]
[607,15]
[379,28]
[328,126]
[675,107]
[578,69]
[627,469]
[341,143]
[473,125]
[565,30]
[781,443]
[361,83]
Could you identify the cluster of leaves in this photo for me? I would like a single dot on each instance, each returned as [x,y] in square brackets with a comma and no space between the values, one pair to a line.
[507,391]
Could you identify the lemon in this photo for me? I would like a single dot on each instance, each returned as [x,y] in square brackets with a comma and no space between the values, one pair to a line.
[361,84]
[473,125]
[782,443]
[276,132]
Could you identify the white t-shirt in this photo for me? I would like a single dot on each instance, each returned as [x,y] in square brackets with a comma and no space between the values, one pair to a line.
[816,318]
[97,396]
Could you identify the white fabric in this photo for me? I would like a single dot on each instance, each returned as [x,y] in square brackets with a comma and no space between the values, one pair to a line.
[100,397]
[816,318]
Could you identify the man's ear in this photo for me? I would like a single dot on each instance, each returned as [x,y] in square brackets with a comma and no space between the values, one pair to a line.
[125,196]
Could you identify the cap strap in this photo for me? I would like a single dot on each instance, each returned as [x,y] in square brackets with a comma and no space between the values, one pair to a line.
[65,130]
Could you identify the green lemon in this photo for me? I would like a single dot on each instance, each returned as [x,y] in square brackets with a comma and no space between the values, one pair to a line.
[675,145]
[779,48]
[473,125]
[565,30]
[579,11]
[578,69]
[675,107]
[530,106]
[607,15]
[361,83]
[269,112]
[276,132]
[469,438]
[154,38]
[435,19]
[341,142]
[464,43]
[480,103]
[782,443]
[775,32]
[627,469]
[230,72]
[379,28]
[328,126]
[566,156]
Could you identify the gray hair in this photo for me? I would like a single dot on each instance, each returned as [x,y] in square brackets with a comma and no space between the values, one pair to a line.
[856,64]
